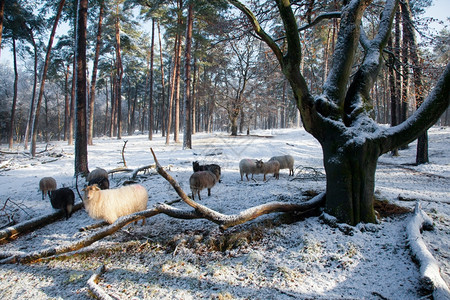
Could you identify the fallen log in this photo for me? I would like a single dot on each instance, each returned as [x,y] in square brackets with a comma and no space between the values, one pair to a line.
[84,242]
[34,223]
[429,267]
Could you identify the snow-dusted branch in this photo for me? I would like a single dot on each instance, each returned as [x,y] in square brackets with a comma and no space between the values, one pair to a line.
[343,58]
[93,286]
[429,268]
[226,221]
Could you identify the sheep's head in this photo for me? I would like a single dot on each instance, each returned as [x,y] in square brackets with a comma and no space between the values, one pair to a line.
[259,163]
[90,191]
[195,165]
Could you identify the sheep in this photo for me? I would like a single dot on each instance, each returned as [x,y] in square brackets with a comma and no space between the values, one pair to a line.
[103,183]
[63,198]
[202,180]
[111,204]
[286,162]
[250,166]
[272,167]
[46,185]
[100,177]
[211,167]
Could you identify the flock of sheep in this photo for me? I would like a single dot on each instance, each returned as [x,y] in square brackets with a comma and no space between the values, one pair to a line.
[109,204]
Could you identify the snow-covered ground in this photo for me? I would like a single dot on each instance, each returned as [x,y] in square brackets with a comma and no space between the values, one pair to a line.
[273,257]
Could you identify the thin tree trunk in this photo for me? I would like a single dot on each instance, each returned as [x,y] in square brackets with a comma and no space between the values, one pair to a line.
[2,10]
[13,109]
[187,138]
[176,129]
[94,74]
[163,86]
[81,154]
[73,90]
[119,68]
[409,35]
[66,103]
[172,91]
[33,96]
[44,75]
[150,110]
[105,129]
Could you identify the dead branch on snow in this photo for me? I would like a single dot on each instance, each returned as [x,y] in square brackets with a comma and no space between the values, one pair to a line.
[94,287]
[226,221]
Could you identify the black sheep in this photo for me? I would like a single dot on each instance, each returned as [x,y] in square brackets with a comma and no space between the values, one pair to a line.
[63,198]
[215,169]
[102,182]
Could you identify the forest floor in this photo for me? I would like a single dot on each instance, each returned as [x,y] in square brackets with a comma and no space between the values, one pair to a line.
[276,256]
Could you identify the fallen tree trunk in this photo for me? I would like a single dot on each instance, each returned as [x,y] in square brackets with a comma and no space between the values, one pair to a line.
[84,242]
[429,267]
[34,223]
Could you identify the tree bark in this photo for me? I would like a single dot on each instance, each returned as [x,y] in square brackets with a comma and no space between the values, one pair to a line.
[44,76]
[13,109]
[163,86]
[119,74]
[81,154]
[187,139]
[150,110]
[2,10]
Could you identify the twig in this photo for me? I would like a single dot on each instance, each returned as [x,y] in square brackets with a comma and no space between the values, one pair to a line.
[95,288]
[123,153]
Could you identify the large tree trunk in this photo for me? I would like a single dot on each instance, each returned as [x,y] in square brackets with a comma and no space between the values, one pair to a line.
[94,74]
[44,76]
[350,177]
[81,154]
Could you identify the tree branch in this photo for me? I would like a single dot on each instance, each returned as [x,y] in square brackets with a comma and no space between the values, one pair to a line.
[347,42]
[257,27]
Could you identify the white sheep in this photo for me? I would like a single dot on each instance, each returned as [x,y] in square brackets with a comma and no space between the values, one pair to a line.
[272,166]
[46,185]
[286,162]
[250,166]
[202,180]
[111,204]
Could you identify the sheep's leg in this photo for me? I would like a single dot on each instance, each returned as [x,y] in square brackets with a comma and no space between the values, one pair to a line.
[246,175]
[209,192]
[199,195]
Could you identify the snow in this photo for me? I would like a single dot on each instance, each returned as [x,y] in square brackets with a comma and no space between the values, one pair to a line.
[276,256]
